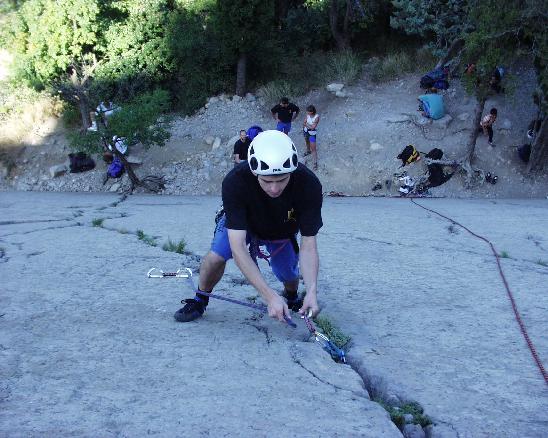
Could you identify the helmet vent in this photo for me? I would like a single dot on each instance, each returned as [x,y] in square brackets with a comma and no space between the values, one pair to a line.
[251,151]
[294,148]
[287,164]
[253,163]
[264,166]
[295,160]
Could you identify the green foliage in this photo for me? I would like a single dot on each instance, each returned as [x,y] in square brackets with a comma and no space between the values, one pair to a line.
[97,222]
[504,255]
[397,413]
[138,46]
[333,333]
[50,35]
[442,21]
[149,240]
[542,263]
[390,67]
[273,91]
[178,247]
[142,120]
[343,66]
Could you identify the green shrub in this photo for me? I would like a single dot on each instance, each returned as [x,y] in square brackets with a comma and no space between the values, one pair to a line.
[97,222]
[504,255]
[343,66]
[333,333]
[391,66]
[149,240]
[178,247]
[273,91]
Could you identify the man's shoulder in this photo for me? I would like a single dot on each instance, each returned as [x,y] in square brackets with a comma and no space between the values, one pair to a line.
[304,175]
[238,175]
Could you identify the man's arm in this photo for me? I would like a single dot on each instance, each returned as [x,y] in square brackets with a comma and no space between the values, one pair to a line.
[296,109]
[277,307]
[309,262]
[274,112]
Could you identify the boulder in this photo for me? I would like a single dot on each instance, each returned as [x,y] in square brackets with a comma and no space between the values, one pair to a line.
[58,170]
[216,143]
[443,122]
[341,93]
[334,87]
[250,97]
[463,117]
[209,139]
[236,98]
[115,187]
[132,159]
[213,99]
[3,171]
[375,146]
[413,431]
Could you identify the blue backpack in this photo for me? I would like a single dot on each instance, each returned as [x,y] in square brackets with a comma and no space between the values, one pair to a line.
[115,169]
[253,131]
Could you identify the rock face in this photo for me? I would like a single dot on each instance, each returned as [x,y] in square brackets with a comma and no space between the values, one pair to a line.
[58,170]
[334,87]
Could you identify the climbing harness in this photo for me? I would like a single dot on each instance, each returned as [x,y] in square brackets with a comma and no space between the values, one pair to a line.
[517,315]
[336,353]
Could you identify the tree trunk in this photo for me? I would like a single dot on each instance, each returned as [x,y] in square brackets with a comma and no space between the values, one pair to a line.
[340,40]
[471,146]
[83,106]
[455,47]
[241,75]
[282,8]
[539,149]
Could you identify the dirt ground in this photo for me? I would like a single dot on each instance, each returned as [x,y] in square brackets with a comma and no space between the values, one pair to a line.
[359,137]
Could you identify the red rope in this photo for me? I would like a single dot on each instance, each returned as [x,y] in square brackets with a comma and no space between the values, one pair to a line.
[510,296]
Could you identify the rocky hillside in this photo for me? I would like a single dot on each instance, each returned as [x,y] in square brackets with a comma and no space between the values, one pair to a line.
[361,131]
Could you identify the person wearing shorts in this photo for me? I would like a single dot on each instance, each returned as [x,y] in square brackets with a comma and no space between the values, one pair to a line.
[284,113]
[310,124]
[267,201]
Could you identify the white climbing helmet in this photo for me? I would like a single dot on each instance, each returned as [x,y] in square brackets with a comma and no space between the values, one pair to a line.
[272,153]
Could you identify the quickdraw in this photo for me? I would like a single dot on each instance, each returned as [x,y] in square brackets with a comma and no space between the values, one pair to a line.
[336,353]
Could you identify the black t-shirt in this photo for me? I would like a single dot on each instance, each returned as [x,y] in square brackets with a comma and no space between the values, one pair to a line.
[249,208]
[285,114]
[241,148]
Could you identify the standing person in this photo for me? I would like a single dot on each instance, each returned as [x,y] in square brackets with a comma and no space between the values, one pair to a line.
[487,125]
[240,148]
[266,201]
[284,113]
[310,123]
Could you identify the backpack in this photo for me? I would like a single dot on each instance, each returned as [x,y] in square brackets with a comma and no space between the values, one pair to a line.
[441,84]
[408,155]
[116,168]
[435,154]
[253,131]
[80,162]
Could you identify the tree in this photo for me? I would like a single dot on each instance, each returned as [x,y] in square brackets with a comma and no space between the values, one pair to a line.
[244,26]
[141,120]
[352,11]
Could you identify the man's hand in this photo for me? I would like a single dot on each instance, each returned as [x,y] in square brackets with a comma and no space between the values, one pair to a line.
[310,305]
[277,308]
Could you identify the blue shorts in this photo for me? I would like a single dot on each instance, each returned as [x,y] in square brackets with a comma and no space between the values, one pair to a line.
[284,127]
[284,260]
[310,138]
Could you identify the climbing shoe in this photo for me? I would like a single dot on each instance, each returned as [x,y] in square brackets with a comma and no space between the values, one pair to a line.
[192,310]
[294,302]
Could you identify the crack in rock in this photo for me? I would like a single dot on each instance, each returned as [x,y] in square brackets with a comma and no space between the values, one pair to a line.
[263,330]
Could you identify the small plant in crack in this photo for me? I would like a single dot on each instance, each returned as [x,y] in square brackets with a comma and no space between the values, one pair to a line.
[398,413]
[504,255]
[97,222]
[542,263]
[452,229]
[252,299]
[335,334]
[178,247]
[149,240]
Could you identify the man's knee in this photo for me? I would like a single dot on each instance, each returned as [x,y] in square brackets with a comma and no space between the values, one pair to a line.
[212,260]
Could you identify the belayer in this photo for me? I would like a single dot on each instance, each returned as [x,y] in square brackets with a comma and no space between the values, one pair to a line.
[267,201]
